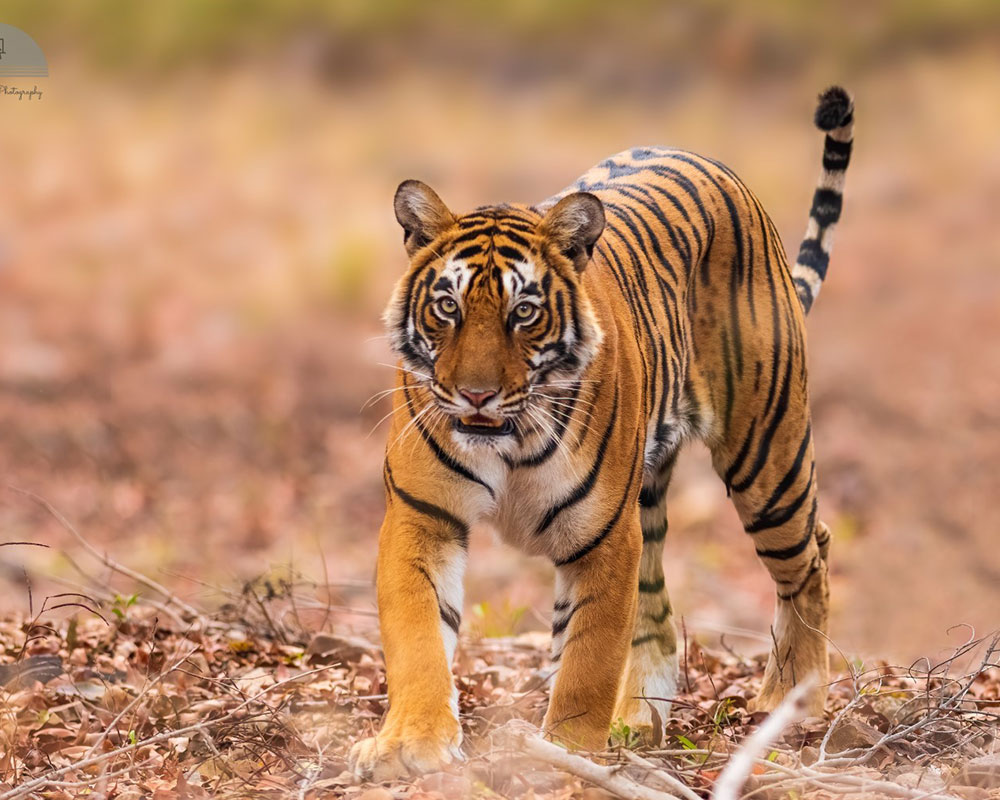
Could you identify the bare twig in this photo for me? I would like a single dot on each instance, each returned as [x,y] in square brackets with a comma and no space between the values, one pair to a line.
[525,738]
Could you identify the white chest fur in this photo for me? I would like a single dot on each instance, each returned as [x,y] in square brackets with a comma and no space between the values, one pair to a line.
[541,510]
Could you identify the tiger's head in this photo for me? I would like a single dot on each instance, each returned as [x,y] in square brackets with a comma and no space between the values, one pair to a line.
[492,317]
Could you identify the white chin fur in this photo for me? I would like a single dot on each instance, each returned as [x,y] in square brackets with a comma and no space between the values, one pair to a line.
[471,443]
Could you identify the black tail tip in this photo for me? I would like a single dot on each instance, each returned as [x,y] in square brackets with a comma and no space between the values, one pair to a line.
[834,108]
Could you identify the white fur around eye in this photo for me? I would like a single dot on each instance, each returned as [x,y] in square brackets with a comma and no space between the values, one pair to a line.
[512,284]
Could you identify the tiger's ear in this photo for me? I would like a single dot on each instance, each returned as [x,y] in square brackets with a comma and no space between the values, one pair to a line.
[575,224]
[421,213]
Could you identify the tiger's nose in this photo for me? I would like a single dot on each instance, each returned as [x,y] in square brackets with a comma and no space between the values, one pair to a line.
[477,397]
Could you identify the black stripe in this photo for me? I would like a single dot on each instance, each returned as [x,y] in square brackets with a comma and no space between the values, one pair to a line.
[653,238]
[558,626]
[649,637]
[823,539]
[793,472]
[516,238]
[660,618]
[444,457]
[764,446]
[657,534]
[798,590]
[510,252]
[688,186]
[683,249]
[419,568]
[639,303]
[734,216]
[651,587]
[836,155]
[779,516]
[826,207]
[474,221]
[460,528]
[730,379]
[585,487]
[804,291]
[786,553]
[564,418]
[649,497]
[468,252]
[741,455]
[450,616]
[639,320]
[524,226]
[475,233]
[587,548]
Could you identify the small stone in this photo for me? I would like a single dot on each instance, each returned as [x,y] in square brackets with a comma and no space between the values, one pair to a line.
[593,793]
[543,781]
[927,780]
[377,793]
[326,649]
[22,674]
[983,771]
[851,734]
[444,782]
[971,792]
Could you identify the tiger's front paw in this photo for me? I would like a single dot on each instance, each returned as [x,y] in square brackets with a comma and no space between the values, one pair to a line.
[408,748]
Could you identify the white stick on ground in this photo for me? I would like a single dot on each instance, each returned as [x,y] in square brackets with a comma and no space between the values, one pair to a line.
[731,781]
[524,738]
[674,784]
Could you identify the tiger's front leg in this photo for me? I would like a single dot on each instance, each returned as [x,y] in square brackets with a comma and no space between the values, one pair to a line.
[591,632]
[421,561]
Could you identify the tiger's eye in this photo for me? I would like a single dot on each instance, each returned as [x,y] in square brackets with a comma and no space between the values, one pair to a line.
[447,305]
[524,311]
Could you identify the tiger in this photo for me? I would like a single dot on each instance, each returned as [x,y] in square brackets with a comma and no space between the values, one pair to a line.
[552,360]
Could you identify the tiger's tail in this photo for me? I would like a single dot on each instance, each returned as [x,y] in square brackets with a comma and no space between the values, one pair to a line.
[835,115]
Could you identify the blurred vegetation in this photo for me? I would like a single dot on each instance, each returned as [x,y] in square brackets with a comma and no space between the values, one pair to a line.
[349,38]
[491,622]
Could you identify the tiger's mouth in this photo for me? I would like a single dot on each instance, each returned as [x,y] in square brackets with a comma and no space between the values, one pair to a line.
[481,425]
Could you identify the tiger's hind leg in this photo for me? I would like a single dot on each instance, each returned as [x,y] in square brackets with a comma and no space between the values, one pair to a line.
[651,672]
[770,473]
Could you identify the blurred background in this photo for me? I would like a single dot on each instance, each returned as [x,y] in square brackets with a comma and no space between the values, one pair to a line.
[196,242]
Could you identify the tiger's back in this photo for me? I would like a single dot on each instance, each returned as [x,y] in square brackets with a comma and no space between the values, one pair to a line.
[699,274]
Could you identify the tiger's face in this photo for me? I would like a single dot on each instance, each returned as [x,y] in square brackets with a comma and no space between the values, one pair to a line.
[492,317]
